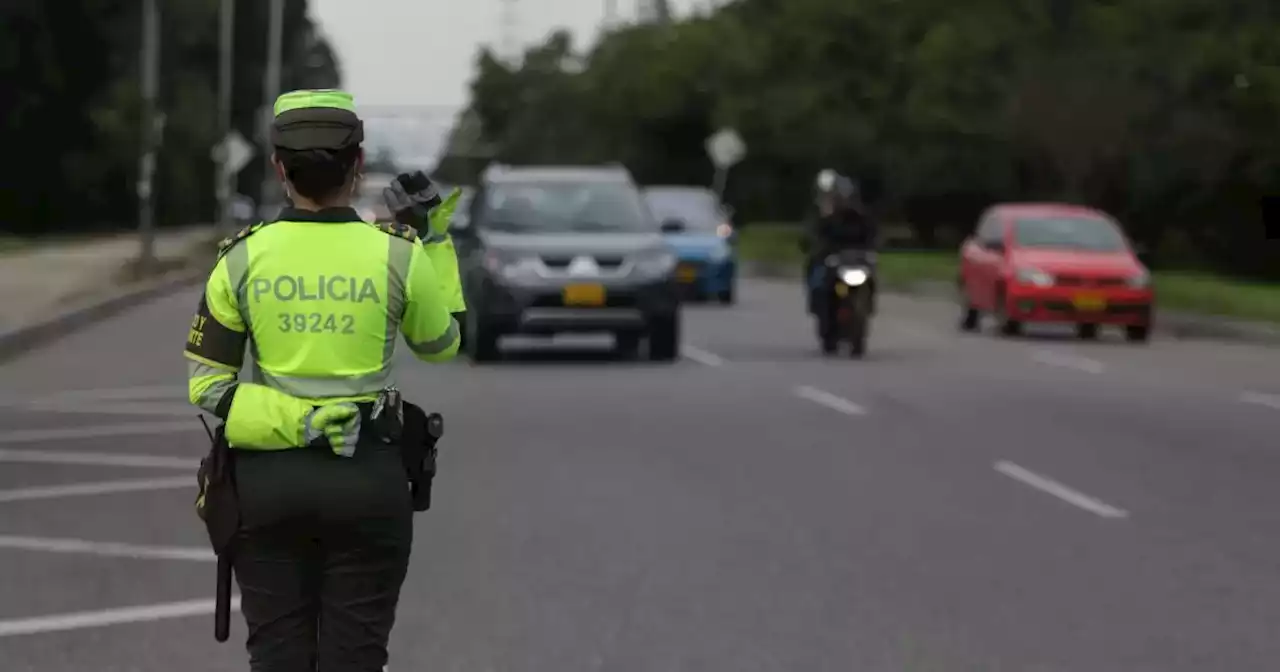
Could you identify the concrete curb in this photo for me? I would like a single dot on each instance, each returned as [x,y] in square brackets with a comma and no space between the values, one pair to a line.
[18,340]
[1188,326]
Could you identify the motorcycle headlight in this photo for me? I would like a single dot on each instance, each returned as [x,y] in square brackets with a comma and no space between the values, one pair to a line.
[1034,276]
[853,276]
[510,265]
[655,262]
[1141,280]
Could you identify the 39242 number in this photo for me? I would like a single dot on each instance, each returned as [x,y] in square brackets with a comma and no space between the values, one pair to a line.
[317,323]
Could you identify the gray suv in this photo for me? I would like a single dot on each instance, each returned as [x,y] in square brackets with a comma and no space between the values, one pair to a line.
[547,250]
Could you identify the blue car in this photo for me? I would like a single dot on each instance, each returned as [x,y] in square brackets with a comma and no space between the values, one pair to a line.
[700,230]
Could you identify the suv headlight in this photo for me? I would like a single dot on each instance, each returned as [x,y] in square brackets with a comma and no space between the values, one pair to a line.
[655,262]
[718,253]
[510,265]
[1140,280]
[1034,276]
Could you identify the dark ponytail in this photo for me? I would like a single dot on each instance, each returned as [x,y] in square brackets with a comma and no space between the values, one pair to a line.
[318,174]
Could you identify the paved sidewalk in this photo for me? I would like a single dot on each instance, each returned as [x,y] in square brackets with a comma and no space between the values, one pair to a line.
[40,280]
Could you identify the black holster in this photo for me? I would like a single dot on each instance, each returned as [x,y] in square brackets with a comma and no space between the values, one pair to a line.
[418,446]
[218,505]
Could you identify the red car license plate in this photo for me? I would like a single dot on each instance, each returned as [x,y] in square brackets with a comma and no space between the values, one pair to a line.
[1090,303]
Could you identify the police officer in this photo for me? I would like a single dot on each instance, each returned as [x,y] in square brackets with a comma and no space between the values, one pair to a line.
[320,298]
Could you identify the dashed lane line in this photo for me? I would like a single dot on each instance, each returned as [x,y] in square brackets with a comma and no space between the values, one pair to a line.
[105,617]
[96,459]
[701,356]
[99,431]
[1271,401]
[1066,361]
[101,488]
[1056,489]
[106,549]
[829,400]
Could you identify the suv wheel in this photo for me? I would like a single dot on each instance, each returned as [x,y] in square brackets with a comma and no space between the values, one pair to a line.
[482,341]
[664,338]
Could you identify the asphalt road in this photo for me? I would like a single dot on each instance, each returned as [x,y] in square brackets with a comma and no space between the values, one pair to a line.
[952,503]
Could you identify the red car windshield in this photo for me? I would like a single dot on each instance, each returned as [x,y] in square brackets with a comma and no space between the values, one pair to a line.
[1087,234]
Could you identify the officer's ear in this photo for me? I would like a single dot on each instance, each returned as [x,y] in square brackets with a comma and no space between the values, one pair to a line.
[275,162]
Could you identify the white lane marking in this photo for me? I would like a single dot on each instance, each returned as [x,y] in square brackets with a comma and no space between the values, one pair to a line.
[100,431]
[97,619]
[103,488]
[1059,490]
[172,392]
[96,459]
[144,393]
[107,549]
[701,356]
[831,401]
[1271,401]
[152,408]
[1065,361]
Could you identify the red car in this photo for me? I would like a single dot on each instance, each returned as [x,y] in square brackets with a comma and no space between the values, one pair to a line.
[1049,263]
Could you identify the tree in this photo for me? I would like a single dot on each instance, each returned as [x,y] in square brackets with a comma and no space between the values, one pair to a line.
[1162,111]
[75,117]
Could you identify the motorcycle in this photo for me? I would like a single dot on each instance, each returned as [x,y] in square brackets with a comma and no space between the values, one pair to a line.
[846,301]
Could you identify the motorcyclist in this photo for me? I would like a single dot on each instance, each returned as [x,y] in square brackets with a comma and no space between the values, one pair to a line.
[840,222]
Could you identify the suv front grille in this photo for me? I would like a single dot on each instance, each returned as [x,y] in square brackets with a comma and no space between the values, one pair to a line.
[561,262]
[1081,281]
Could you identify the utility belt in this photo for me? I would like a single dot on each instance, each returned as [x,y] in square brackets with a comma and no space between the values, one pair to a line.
[392,420]
[389,420]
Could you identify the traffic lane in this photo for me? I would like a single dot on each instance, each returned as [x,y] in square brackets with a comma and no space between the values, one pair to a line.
[653,530]
[139,347]
[158,646]
[1202,469]
[544,423]
[770,325]
[750,531]
[37,584]
[1188,452]
[990,413]
[161,512]
[18,478]
[1191,454]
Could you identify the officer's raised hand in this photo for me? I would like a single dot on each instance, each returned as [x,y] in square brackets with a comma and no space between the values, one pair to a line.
[415,201]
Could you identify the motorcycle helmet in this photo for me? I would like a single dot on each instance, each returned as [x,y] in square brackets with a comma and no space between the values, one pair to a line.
[826,180]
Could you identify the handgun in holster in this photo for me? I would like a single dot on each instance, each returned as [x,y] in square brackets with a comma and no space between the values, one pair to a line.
[218,505]
[422,432]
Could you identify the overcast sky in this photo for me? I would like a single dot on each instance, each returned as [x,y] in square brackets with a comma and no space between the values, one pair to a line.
[376,39]
[380,41]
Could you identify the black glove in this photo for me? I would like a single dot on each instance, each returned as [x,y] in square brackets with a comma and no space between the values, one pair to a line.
[411,197]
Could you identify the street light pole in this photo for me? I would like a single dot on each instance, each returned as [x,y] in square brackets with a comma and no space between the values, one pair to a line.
[151,121]
[225,80]
[270,90]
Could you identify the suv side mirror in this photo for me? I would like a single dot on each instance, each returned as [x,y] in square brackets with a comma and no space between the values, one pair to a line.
[994,246]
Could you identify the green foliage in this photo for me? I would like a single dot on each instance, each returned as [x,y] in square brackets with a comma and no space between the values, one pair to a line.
[72,122]
[1160,111]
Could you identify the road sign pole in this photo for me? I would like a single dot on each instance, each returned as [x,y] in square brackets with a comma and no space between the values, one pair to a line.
[150,123]
[225,176]
[721,177]
[725,148]
[270,90]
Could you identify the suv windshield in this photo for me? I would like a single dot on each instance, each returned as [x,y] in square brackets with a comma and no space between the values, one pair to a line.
[564,207]
[1073,233]
[698,210]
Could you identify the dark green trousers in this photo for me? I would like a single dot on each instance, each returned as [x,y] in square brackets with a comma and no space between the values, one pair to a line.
[322,553]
